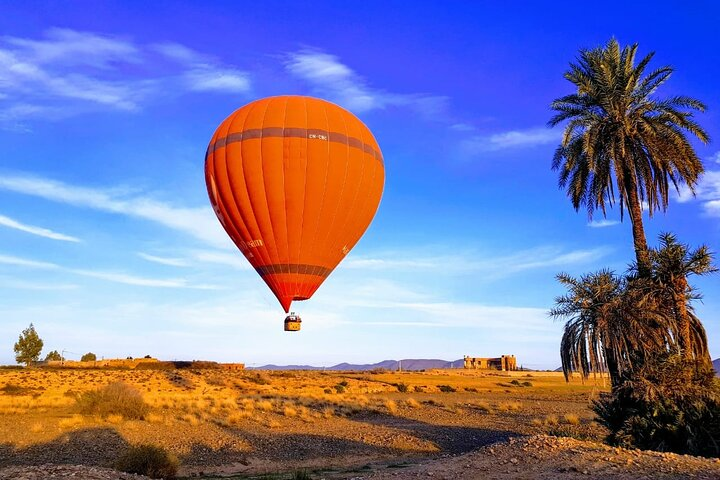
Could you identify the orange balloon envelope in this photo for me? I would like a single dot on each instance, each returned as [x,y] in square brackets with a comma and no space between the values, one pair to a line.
[295,182]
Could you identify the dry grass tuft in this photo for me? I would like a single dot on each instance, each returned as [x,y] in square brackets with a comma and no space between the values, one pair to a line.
[391,406]
[551,420]
[482,406]
[154,418]
[412,403]
[114,418]
[572,419]
[509,406]
[71,422]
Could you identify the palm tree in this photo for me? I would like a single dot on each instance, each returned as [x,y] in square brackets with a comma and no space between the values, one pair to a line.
[619,138]
[672,263]
[612,324]
[590,307]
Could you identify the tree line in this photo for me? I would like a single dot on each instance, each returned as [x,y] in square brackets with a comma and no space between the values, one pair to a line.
[29,347]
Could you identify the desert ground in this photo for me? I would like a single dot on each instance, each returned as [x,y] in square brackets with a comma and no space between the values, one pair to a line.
[273,424]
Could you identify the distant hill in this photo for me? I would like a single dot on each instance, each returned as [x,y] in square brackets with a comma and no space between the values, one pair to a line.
[407,364]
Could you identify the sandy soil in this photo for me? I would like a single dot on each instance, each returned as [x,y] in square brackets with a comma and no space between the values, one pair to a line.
[339,425]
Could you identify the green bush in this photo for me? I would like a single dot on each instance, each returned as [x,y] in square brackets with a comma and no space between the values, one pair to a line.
[301,475]
[88,357]
[114,399]
[148,460]
[339,388]
[402,388]
[446,389]
[666,405]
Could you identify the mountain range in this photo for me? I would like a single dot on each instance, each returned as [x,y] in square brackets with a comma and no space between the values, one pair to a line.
[404,364]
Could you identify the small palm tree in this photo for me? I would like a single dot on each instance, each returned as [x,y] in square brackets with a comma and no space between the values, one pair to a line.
[621,140]
[590,307]
[612,324]
[672,264]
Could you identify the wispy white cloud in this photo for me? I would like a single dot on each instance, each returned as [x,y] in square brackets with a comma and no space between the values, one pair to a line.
[199,222]
[40,286]
[23,262]
[512,139]
[68,72]
[334,80]
[142,281]
[490,264]
[707,192]
[39,231]
[235,259]
[462,127]
[602,223]
[116,277]
[173,262]
[70,47]
[203,72]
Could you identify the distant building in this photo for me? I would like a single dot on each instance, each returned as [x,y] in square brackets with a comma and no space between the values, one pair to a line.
[506,363]
[232,366]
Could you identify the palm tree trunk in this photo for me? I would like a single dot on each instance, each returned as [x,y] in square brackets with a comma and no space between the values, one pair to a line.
[635,210]
[683,318]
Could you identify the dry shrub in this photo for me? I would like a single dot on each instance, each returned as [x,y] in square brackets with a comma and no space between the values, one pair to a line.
[265,405]
[149,460]
[551,420]
[71,422]
[114,418]
[191,419]
[482,406]
[237,417]
[289,411]
[509,406]
[305,414]
[412,403]
[391,406]
[154,418]
[572,419]
[273,424]
[114,399]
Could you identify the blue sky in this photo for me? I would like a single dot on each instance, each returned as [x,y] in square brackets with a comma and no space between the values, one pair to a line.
[108,243]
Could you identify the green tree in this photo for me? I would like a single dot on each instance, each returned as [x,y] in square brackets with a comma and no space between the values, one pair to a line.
[620,140]
[672,264]
[53,356]
[88,357]
[28,347]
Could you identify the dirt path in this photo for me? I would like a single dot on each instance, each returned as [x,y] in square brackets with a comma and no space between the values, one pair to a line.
[546,457]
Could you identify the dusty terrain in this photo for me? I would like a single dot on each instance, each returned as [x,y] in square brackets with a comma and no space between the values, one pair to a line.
[442,424]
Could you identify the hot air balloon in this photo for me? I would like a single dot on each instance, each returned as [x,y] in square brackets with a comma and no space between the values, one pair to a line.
[295,181]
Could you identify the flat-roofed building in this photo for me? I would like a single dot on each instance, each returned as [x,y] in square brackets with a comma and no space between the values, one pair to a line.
[506,363]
